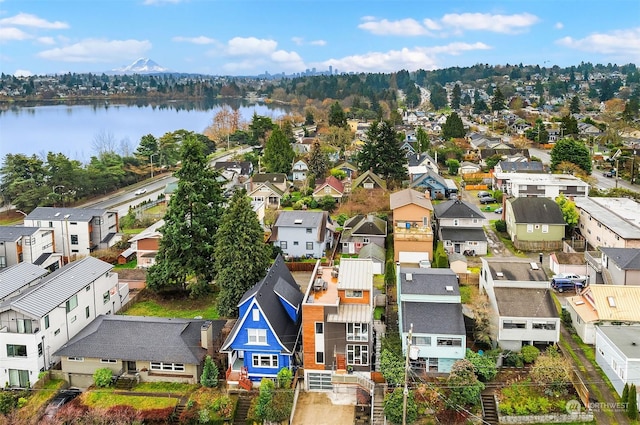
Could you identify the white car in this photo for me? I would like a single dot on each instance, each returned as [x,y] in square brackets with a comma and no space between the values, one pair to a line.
[572,277]
[141,191]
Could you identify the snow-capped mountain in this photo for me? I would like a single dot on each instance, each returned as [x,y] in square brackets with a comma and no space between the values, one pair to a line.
[142,66]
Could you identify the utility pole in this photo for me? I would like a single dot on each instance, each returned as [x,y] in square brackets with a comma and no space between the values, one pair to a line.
[405,393]
[151,159]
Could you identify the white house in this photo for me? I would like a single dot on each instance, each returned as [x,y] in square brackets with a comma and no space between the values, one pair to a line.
[609,222]
[300,170]
[540,185]
[36,321]
[618,354]
[302,233]
[459,225]
[30,245]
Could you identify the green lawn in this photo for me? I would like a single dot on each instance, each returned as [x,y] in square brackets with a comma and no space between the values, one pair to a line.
[465,294]
[164,387]
[40,398]
[130,265]
[184,308]
[105,398]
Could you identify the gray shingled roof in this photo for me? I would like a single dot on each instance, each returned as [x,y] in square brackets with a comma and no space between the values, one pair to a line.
[302,219]
[57,214]
[433,318]
[428,281]
[59,286]
[463,234]
[366,225]
[13,233]
[136,338]
[517,166]
[536,210]
[457,209]
[15,277]
[372,251]
[525,302]
[625,258]
[515,270]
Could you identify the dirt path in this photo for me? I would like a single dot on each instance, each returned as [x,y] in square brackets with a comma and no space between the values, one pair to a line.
[316,408]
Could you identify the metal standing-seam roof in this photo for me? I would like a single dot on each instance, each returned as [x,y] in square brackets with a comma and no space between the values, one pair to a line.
[13,233]
[615,218]
[17,276]
[59,286]
[58,214]
[615,302]
[356,273]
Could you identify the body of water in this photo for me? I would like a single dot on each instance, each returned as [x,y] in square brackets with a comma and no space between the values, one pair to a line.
[74,129]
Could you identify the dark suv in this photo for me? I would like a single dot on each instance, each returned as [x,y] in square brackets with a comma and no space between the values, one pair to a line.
[488,200]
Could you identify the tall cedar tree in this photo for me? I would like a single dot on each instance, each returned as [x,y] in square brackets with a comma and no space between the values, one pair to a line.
[574,106]
[497,101]
[424,144]
[455,97]
[572,151]
[241,256]
[382,154]
[337,117]
[191,221]
[318,161]
[278,153]
[453,128]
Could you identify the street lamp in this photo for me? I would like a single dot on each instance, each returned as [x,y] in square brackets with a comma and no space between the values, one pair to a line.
[151,159]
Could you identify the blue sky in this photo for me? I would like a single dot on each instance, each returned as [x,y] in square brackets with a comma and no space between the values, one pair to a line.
[242,37]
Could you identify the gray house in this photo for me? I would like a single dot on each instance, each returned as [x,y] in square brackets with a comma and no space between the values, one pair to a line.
[459,225]
[621,266]
[303,233]
[361,230]
[618,354]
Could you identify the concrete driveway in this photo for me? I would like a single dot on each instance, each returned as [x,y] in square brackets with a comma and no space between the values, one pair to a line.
[316,408]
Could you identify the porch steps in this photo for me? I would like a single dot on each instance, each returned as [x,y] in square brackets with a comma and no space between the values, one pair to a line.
[378,406]
[124,384]
[180,408]
[244,402]
[489,409]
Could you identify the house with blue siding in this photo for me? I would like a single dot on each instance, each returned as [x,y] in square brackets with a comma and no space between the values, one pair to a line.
[266,334]
[423,179]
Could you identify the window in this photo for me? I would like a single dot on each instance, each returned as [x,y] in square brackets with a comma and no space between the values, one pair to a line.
[255,314]
[105,297]
[283,244]
[449,342]
[309,230]
[57,331]
[73,319]
[353,294]
[108,361]
[421,340]
[475,221]
[74,239]
[550,326]
[510,324]
[357,354]
[529,228]
[72,303]
[265,360]
[24,326]
[309,246]
[319,357]
[14,350]
[46,321]
[366,240]
[357,331]
[545,228]
[295,243]
[257,336]
[87,312]
[368,185]
[171,367]
[319,328]
[40,348]
[18,378]
[3,262]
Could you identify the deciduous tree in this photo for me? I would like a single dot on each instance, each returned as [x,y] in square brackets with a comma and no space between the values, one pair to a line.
[464,386]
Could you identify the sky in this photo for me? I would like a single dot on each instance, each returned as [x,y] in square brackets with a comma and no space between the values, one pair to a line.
[243,37]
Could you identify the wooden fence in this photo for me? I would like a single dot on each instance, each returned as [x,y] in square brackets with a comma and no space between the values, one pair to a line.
[476,176]
[476,187]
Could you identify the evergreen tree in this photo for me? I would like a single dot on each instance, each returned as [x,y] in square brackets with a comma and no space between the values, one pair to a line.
[193,214]
[455,97]
[453,128]
[632,404]
[308,118]
[438,97]
[497,102]
[538,133]
[479,105]
[209,377]
[337,117]
[278,153]
[574,106]
[625,393]
[382,153]
[569,126]
[424,144]
[572,151]
[318,161]
[241,256]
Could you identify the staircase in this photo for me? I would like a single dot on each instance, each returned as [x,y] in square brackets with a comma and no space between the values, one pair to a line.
[244,401]
[180,408]
[124,384]
[378,405]
[489,409]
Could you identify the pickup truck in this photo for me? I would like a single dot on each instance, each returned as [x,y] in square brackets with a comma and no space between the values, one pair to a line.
[576,278]
[562,285]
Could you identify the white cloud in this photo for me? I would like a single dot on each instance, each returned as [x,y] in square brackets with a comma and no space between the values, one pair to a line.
[98,50]
[288,61]
[194,40]
[624,43]
[507,24]
[558,25]
[28,20]
[299,41]
[22,73]
[318,43]
[431,24]
[244,46]
[10,34]
[46,40]
[404,27]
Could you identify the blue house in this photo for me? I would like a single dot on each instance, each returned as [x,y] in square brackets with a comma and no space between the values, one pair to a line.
[438,186]
[266,334]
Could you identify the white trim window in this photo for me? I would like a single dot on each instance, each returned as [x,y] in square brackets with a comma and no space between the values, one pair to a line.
[257,336]
[167,367]
[357,332]
[75,359]
[357,355]
[265,360]
[111,361]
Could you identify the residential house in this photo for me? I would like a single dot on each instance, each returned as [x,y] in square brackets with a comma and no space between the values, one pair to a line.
[349,169]
[459,225]
[265,338]
[303,146]
[535,224]
[609,222]
[603,305]
[337,327]
[618,355]
[303,233]
[568,262]
[467,167]
[300,170]
[30,245]
[146,244]
[18,278]
[368,181]
[430,310]
[540,185]
[412,232]
[438,187]
[519,167]
[278,180]
[77,231]
[37,321]
[268,188]
[423,159]
[362,230]
[520,297]
[329,186]
[376,254]
[501,152]
[617,266]
[137,348]
[244,169]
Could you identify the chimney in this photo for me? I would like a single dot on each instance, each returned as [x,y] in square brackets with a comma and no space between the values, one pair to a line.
[427,194]
[206,336]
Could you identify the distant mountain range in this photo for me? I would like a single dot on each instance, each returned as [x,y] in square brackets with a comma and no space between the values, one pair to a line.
[141,66]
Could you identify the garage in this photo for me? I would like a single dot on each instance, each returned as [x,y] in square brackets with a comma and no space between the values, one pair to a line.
[319,381]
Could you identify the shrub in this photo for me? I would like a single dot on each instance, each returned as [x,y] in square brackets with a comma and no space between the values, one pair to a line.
[625,394]
[102,377]
[529,353]
[267,388]
[285,378]
[210,372]
[632,404]
[156,416]
[501,226]
[485,366]
[223,406]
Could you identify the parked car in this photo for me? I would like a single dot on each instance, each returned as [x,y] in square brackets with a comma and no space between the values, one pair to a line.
[570,276]
[498,210]
[425,264]
[63,397]
[483,194]
[488,200]
[562,285]
[141,191]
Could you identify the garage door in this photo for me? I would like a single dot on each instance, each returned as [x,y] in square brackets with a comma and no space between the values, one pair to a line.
[319,381]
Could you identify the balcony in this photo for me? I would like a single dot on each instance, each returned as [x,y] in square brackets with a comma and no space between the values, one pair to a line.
[593,258]
[414,233]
